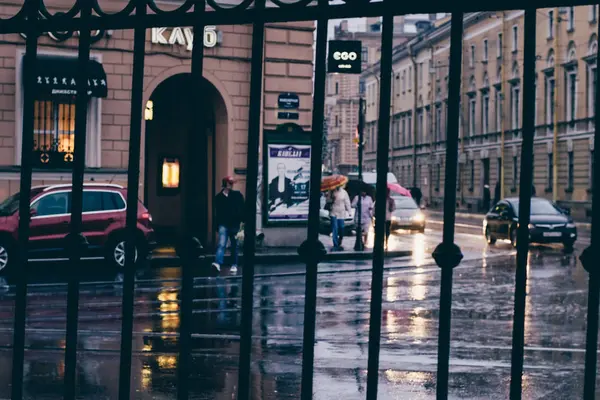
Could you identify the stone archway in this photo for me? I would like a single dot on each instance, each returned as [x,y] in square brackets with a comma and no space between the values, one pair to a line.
[165,136]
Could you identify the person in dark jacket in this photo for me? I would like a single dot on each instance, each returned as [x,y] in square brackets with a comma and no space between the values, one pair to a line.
[229,214]
[416,194]
[281,190]
[497,193]
[486,197]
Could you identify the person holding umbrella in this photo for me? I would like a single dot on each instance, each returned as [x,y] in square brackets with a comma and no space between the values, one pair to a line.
[366,213]
[340,208]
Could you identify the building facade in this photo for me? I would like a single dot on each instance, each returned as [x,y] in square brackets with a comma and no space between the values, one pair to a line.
[288,67]
[344,91]
[491,108]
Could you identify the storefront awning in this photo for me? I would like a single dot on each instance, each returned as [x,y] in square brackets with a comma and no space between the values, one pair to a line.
[58,77]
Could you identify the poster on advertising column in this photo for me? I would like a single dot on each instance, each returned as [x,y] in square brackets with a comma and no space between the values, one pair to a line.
[287,183]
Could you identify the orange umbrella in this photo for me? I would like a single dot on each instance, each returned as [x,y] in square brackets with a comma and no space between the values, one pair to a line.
[332,182]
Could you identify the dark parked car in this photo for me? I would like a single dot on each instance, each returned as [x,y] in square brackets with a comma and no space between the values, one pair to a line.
[548,223]
[407,215]
[103,218]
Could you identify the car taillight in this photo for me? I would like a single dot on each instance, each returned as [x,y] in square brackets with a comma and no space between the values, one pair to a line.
[147,216]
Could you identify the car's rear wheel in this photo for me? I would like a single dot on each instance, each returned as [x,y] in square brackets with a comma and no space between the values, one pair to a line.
[115,252]
[489,237]
[6,257]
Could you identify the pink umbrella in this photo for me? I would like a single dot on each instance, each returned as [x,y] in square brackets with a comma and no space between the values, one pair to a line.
[396,188]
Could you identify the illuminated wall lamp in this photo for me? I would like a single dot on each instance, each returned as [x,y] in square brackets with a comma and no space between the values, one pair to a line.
[169,174]
[149,111]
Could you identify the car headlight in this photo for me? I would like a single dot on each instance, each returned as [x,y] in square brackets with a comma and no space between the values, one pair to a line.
[531,226]
[571,225]
[394,218]
[419,217]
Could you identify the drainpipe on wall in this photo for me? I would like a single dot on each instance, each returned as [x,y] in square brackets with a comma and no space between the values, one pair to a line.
[414,115]
[555,111]
[501,108]
[432,110]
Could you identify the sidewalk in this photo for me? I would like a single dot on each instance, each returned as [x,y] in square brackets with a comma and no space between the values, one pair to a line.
[167,256]
[478,217]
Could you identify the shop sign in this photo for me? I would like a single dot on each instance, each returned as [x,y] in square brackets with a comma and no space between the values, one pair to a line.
[62,36]
[344,57]
[288,101]
[185,37]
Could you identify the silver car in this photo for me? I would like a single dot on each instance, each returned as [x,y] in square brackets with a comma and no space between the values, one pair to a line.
[408,215]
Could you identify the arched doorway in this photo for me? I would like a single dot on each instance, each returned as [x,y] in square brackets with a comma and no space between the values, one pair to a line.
[166,138]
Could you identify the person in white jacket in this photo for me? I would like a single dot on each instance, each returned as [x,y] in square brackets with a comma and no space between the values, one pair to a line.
[340,209]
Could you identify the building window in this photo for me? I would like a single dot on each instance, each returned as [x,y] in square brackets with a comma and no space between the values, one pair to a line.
[572,95]
[592,91]
[550,24]
[593,13]
[54,132]
[472,59]
[592,166]
[420,131]
[571,172]
[499,46]
[365,55]
[550,88]
[550,174]
[403,131]
[571,18]
[472,105]
[515,172]
[485,50]
[472,182]
[485,113]
[498,110]
[515,92]
[438,123]
[499,170]
[337,121]
[438,172]
[337,88]
[515,38]
[409,130]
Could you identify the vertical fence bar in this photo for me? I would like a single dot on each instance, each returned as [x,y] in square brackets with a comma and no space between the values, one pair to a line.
[135,134]
[447,254]
[254,119]
[75,242]
[524,205]
[589,260]
[312,250]
[22,264]
[195,199]
[383,142]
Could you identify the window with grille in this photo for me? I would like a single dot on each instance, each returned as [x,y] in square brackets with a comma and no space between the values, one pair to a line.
[54,132]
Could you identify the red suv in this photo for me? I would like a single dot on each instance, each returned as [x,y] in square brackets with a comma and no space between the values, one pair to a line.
[103,217]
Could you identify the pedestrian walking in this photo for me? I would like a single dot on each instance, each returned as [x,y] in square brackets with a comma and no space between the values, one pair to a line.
[497,197]
[229,215]
[486,197]
[366,216]
[416,194]
[340,209]
[390,207]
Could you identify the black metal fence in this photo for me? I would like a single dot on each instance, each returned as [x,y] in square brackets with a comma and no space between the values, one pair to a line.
[86,16]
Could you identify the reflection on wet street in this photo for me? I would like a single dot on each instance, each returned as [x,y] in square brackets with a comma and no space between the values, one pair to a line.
[481,328]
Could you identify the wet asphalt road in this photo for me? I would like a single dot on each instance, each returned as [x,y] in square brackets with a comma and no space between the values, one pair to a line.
[481,328]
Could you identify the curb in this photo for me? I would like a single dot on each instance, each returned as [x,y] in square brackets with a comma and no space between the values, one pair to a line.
[282,258]
[479,217]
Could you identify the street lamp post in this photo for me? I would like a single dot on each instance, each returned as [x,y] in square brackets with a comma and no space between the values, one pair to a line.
[359,245]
